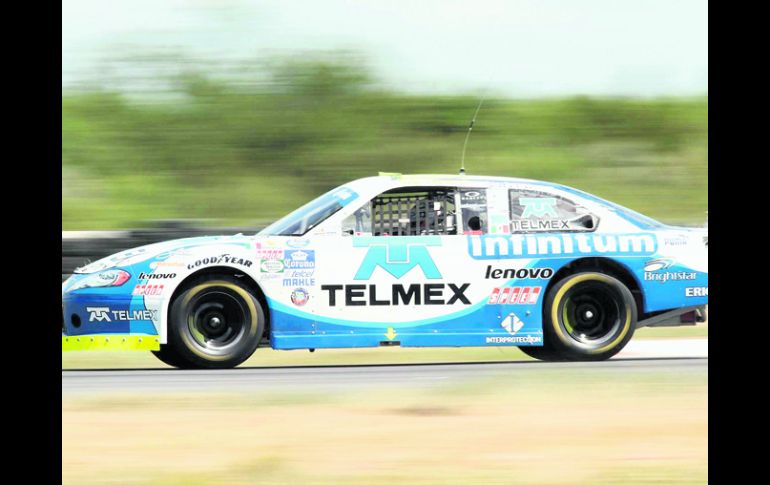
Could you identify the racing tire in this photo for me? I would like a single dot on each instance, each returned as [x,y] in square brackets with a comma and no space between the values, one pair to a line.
[544,353]
[168,356]
[588,315]
[216,323]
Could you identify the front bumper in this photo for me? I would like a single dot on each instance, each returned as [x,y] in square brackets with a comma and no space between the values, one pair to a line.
[109,318]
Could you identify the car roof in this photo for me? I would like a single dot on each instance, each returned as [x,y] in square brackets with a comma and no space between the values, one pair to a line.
[432,178]
[397,179]
[387,181]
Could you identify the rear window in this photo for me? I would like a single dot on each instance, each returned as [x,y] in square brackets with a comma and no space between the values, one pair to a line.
[539,211]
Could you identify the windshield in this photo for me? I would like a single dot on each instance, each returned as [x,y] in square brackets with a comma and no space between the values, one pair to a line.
[311,214]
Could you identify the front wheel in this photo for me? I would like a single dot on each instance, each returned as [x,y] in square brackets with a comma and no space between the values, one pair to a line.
[588,316]
[215,324]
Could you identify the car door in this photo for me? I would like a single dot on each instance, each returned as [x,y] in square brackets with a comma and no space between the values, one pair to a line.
[541,225]
[400,269]
[509,277]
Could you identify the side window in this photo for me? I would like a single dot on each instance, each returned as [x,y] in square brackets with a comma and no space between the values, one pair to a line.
[473,203]
[536,211]
[409,211]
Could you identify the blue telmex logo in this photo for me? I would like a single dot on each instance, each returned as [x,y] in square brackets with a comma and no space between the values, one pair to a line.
[397,255]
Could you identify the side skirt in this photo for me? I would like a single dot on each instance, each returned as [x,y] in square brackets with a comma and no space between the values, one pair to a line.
[673,318]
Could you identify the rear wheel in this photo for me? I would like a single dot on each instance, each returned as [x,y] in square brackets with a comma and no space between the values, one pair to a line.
[168,355]
[216,324]
[540,353]
[588,316]
[545,352]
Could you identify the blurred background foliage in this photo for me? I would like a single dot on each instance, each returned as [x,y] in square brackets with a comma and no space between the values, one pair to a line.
[157,136]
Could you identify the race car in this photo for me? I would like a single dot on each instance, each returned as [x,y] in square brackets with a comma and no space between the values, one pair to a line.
[401,260]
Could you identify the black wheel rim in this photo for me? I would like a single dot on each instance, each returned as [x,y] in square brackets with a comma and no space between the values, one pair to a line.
[217,320]
[592,313]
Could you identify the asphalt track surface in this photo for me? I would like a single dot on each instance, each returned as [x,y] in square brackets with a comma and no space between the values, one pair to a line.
[646,356]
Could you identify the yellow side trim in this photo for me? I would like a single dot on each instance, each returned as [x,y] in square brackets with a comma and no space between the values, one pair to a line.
[110,342]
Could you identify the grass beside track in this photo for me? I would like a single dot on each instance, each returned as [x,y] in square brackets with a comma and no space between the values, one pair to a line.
[234,154]
[394,355]
[545,426]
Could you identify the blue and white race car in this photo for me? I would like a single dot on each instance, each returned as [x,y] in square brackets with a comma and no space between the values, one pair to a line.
[409,260]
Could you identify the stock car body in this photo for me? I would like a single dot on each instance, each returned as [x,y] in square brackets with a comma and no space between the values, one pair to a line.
[409,260]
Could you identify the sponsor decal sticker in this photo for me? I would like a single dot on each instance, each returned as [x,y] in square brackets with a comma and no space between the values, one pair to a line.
[546,225]
[224,258]
[300,296]
[521,273]
[515,295]
[499,224]
[538,206]
[524,339]
[271,266]
[270,243]
[653,271]
[299,259]
[104,314]
[657,264]
[299,278]
[298,268]
[156,276]
[297,243]
[415,294]
[696,291]
[270,261]
[517,245]
[476,197]
[397,255]
[539,214]
[269,253]
[675,241]
[147,290]
[99,314]
[512,324]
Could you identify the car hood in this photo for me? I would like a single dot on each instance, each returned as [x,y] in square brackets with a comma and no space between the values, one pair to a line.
[143,253]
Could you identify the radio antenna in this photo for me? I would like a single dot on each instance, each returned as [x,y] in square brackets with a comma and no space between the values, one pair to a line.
[468,135]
